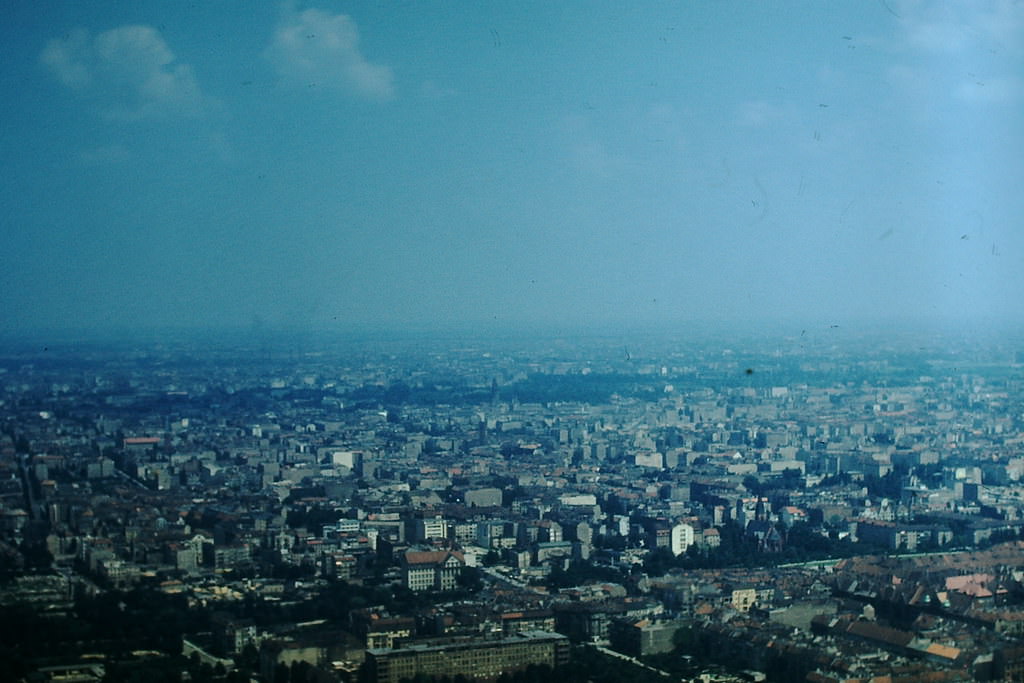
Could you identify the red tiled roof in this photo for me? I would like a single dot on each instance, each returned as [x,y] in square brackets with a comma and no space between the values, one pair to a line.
[430,556]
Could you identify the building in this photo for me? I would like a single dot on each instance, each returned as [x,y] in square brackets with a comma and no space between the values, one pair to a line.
[681,538]
[481,659]
[338,565]
[233,634]
[230,556]
[487,497]
[70,673]
[743,598]
[644,637]
[528,620]
[385,633]
[553,551]
[430,528]
[424,570]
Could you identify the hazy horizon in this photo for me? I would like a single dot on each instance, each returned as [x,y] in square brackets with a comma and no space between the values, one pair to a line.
[877,337]
[439,168]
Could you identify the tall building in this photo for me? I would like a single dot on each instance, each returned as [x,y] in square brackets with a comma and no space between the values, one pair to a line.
[681,538]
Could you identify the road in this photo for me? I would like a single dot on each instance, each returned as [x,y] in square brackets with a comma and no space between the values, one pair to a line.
[26,482]
[495,574]
[632,660]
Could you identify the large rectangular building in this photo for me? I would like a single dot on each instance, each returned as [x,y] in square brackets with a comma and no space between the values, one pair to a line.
[432,570]
[480,659]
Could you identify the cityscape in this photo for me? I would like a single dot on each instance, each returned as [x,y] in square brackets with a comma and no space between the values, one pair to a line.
[824,506]
[511,342]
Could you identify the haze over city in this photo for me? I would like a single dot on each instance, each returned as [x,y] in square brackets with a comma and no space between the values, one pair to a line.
[433,165]
[529,342]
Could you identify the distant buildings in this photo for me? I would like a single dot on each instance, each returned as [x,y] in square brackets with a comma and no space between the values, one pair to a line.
[575,488]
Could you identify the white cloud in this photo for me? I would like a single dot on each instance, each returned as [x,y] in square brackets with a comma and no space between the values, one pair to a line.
[952,26]
[957,50]
[322,49]
[67,59]
[937,31]
[129,71]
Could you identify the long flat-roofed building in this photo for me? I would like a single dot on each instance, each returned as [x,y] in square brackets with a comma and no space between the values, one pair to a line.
[480,659]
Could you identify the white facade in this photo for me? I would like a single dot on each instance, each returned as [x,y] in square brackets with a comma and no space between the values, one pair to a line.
[682,538]
[432,527]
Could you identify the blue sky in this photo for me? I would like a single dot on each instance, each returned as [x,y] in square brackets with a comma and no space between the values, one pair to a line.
[443,165]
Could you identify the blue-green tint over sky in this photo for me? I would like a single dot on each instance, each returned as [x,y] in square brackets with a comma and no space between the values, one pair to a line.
[429,164]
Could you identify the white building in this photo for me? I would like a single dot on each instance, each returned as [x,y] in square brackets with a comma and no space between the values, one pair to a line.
[682,538]
[431,527]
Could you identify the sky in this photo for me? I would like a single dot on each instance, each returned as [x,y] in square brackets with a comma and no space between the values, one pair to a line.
[432,165]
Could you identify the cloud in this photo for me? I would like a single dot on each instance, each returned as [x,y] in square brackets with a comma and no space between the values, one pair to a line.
[129,71]
[954,26]
[958,50]
[319,48]
[66,59]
